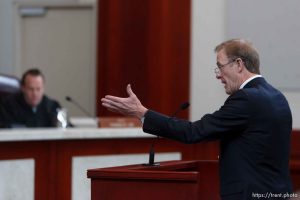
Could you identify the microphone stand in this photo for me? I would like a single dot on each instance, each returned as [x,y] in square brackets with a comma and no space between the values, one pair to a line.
[69,99]
[152,151]
[152,155]
[79,106]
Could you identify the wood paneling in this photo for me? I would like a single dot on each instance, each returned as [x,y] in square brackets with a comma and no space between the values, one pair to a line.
[295,160]
[53,159]
[171,180]
[147,44]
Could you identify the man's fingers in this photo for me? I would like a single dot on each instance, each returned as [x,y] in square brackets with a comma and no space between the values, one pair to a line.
[113,98]
[106,100]
[113,108]
[129,90]
[111,102]
[110,107]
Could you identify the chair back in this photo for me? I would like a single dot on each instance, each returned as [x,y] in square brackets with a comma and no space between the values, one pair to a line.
[8,85]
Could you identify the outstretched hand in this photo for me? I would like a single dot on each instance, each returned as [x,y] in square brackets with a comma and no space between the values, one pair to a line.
[130,106]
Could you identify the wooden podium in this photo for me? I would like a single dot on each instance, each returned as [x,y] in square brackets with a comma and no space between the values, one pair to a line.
[170,180]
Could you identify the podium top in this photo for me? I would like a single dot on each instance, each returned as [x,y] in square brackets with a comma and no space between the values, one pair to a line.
[167,171]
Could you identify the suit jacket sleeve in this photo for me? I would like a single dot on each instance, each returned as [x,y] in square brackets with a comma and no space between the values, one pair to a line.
[231,118]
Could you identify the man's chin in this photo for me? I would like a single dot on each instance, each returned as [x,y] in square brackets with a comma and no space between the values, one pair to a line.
[229,92]
[34,104]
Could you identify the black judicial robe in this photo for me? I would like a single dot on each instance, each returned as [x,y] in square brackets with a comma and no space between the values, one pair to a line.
[15,112]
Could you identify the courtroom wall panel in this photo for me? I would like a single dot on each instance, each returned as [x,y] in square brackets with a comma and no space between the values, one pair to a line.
[146,44]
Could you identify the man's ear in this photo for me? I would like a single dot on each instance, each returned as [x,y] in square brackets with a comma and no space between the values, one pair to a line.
[241,64]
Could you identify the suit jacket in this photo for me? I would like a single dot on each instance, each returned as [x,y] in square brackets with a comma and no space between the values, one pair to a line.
[15,112]
[254,128]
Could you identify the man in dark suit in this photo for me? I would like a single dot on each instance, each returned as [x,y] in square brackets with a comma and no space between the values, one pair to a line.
[30,107]
[253,126]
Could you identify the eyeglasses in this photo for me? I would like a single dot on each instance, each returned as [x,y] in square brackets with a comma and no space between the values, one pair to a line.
[218,69]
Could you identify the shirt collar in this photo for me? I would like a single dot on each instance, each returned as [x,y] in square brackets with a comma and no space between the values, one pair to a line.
[34,109]
[248,80]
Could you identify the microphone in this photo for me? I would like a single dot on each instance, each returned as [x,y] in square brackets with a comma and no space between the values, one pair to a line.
[69,99]
[183,106]
[151,162]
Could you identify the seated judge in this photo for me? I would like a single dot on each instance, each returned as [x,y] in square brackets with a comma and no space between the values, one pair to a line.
[254,126]
[30,107]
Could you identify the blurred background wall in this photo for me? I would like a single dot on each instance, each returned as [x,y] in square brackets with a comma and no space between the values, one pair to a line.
[163,48]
